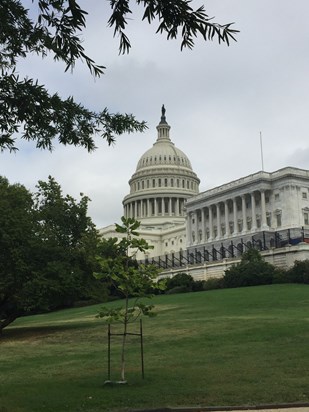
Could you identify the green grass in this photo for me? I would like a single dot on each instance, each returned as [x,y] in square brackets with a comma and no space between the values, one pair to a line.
[243,346]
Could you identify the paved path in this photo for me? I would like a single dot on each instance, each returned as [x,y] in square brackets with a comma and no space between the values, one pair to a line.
[279,408]
[292,409]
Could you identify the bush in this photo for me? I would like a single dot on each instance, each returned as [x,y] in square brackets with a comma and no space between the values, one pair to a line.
[251,271]
[213,283]
[181,279]
[299,273]
[280,276]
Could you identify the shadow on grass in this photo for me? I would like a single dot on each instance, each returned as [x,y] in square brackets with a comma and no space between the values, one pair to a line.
[30,332]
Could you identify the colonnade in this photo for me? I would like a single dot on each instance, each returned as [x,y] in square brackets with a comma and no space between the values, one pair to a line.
[154,207]
[229,217]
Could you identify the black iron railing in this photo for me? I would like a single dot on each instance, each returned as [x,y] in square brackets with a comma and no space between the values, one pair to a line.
[230,249]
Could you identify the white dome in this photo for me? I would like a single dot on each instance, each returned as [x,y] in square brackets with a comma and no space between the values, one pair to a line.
[163,153]
[162,182]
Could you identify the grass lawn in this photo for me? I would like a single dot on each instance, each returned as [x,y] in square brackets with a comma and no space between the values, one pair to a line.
[244,346]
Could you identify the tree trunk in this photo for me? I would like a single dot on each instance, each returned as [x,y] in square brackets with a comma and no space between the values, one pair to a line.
[7,321]
[124,338]
[123,352]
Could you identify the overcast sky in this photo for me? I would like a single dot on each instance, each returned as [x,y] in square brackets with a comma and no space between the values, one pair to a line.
[217,100]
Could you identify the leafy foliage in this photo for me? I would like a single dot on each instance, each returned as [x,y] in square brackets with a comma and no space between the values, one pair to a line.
[299,273]
[180,283]
[47,245]
[173,16]
[129,278]
[29,111]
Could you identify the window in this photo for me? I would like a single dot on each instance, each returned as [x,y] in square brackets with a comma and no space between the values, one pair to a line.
[278,220]
[165,182]
[277,197]
[143,184]
[306,218]
[172,182]
[153,183]
[159,182]
[304,195]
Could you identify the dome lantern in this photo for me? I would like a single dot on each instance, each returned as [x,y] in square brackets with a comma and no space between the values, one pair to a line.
[163,127]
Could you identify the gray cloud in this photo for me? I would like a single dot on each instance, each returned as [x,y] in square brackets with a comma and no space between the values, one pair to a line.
[218,99]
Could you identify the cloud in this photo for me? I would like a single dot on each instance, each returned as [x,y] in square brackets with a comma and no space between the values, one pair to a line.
[218,99]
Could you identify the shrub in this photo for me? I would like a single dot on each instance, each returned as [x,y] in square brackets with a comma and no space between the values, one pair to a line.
[299,273]
[213,283]
[251,271]
[181,279]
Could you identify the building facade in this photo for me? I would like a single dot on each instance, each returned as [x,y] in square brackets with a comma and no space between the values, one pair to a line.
[252,208]
[203,233]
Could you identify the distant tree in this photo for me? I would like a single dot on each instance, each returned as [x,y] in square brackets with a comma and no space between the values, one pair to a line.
[47,250]
[17,238]
[131,279]
[30,111]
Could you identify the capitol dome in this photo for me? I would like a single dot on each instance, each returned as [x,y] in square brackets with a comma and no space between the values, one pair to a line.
[162,182]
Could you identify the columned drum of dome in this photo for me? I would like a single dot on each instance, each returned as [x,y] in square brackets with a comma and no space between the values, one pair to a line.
[162,182]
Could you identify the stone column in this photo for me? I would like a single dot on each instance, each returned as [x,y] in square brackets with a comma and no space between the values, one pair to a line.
[235,216]
[203,225]
[141,208]
[189,229]
[195,226]
[244,214]
[211,229]
[177,212]
[253,212]
[218,221]
[170,206]
[263,212]
[148,208]
[226,215]
[155,206]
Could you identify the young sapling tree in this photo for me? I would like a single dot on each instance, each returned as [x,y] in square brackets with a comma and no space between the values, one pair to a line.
[131,279]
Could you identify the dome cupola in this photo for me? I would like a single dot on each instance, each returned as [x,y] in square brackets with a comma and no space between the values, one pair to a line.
[162,182]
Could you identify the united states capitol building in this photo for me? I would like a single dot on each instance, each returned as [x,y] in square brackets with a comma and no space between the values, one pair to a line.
[203,233]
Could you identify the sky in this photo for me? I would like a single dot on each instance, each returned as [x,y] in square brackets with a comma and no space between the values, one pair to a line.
[219,101]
